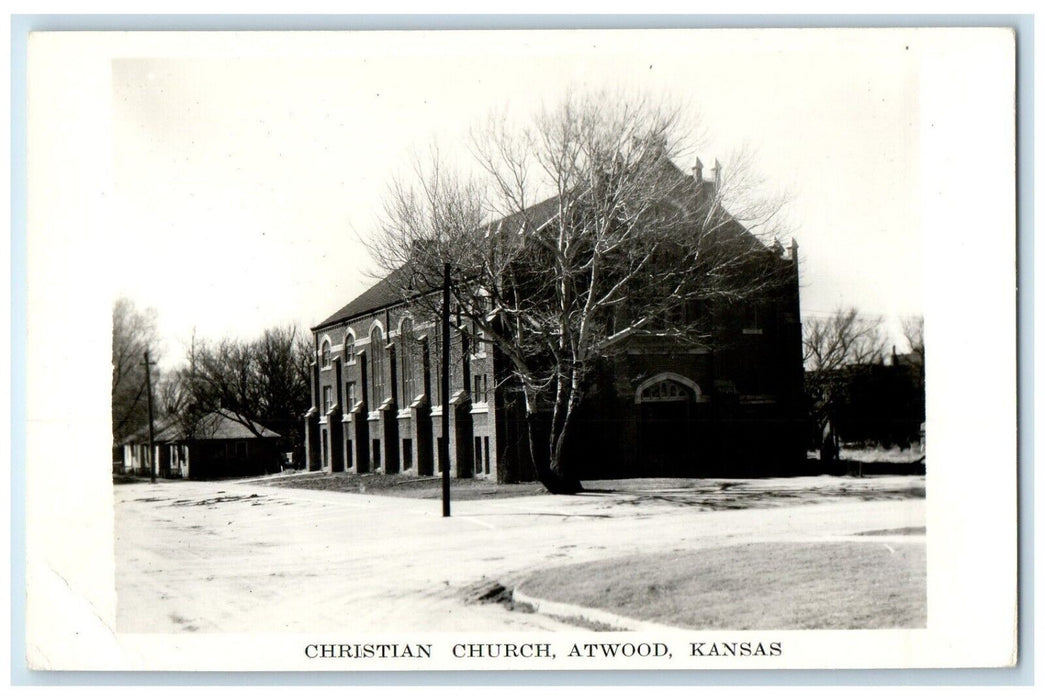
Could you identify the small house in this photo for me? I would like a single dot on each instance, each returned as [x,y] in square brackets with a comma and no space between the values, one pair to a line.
[219,444]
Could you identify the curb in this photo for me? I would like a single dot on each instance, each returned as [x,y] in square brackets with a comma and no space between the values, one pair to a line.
[618,622]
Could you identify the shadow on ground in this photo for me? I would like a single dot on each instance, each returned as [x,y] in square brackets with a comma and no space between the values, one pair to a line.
[719,494]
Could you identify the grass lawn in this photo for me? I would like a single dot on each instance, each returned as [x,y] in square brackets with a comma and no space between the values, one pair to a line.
[779,585]
[409,486]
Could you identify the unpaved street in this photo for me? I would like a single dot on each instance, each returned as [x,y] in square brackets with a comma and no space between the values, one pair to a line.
[249,557]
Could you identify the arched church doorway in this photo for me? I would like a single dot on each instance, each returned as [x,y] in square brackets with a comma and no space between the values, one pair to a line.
[666,406]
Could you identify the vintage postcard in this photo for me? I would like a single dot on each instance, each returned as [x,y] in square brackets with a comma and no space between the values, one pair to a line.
[521,350]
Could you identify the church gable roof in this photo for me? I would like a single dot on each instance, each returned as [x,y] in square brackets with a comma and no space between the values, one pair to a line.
[387,292]
[383,294]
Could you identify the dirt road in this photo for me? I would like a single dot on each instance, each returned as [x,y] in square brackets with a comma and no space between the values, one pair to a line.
[249,557]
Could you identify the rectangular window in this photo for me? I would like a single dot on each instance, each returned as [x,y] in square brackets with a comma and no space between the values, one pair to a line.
[378,361]
[486,452]
[408,351]
[326,449]
[478,456]
[408,454]
[458,364]
[440,456]
[350,350]
[350,395]
[379,385]
[675,316]
[328,398]
[376,459]
[752,326]
[349,457]
[436,371]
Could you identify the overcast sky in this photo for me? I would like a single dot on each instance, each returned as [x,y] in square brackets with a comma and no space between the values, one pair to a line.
[244,178]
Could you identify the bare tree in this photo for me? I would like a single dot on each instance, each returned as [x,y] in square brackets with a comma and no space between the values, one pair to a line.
[913,328]
[572,229]
[172,393]
[914,333]
[133,332]
[224,378]
[261,383]
[282,357]
[844,338]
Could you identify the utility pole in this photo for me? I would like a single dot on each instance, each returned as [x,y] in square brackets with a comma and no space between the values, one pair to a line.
[444,451]
[152,448]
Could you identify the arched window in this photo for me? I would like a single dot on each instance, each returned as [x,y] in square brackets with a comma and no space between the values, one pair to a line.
[324,354]
[377,367]
[408,356]
[665,390]
[667,387]
[350,348]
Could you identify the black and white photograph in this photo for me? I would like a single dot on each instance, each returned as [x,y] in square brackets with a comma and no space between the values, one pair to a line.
[521,350]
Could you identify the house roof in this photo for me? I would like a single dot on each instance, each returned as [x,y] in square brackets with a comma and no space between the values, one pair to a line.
[226,425]
[217,425]
[142,434]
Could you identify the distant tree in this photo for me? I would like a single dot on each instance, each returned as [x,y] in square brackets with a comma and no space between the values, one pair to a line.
[834,347]
[846,337]
[914,334]
[263,382]
[133,332]
[576,226]
[171,393]
[282,358]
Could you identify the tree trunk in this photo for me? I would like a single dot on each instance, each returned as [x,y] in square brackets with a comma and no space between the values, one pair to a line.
[548,464]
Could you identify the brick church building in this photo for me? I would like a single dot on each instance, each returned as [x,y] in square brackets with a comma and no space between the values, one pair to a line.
[730,403]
